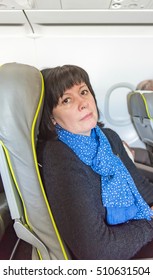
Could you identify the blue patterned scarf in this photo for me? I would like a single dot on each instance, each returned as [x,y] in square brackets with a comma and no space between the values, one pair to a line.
[120,196]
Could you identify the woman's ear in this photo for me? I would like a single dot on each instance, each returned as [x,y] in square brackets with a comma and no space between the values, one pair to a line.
[53,120]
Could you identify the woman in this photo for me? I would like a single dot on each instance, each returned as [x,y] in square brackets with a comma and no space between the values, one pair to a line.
[100,202]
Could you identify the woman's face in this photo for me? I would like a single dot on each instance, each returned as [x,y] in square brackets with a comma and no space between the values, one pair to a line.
[76,110]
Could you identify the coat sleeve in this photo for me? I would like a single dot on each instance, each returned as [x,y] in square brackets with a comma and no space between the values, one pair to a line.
[73,191]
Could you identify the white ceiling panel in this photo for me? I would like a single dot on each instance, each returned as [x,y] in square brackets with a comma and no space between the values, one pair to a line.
[130,4]
[85,4]
[16,4]
[75,4]
[47,4]
[29,4]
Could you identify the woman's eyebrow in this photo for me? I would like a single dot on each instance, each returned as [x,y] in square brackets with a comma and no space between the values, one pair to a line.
[84,85]
[65,93]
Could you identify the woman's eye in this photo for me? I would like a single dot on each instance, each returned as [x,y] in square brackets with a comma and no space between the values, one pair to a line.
[84,92]
[66,100]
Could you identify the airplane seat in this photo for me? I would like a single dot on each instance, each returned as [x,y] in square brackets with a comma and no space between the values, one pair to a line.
[21,103]
[141,111]
[140,105]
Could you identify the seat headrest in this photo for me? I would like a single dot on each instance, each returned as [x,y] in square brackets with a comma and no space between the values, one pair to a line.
[140,104]
[20,94]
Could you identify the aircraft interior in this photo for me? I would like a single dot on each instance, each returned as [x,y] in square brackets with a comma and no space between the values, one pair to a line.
[113,41]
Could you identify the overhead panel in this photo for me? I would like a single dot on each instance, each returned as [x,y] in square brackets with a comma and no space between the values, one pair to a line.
[130,4]
[47,4]
[150,5]
[99,17]
[85,4]
[12,17]
[107,4]
[29,4]
[75,4]
[16,4]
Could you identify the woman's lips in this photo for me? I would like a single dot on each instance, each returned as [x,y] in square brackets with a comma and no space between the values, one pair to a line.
[86,117]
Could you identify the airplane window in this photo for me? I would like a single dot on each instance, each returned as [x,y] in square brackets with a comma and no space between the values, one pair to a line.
[108,107]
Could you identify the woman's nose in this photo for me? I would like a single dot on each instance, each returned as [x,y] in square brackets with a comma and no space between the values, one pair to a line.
[82,104]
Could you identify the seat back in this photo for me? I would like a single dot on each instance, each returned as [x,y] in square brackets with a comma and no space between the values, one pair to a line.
[140,104]
[21,103]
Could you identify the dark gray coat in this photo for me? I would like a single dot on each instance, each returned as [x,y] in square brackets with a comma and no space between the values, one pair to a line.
[74,193]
